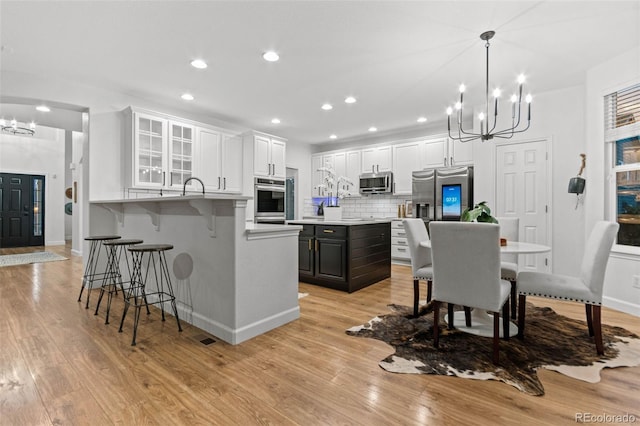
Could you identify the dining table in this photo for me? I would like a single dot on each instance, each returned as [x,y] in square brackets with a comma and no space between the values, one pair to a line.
[482,321]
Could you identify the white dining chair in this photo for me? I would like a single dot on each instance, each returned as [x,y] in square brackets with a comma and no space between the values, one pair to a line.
[466,272]
[421,269]
[585,288]
[509,229]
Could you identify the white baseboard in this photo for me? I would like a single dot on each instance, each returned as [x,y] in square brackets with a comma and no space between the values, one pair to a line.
[621,305]
[54,243]
[239,335]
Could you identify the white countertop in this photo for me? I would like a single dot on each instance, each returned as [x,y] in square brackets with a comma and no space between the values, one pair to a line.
[174,198]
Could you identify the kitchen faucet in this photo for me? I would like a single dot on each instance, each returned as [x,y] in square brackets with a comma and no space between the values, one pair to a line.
[184,187]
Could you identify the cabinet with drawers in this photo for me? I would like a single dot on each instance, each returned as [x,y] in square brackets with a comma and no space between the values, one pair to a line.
[399,246]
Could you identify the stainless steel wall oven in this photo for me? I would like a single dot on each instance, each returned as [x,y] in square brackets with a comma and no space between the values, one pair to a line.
[269,200]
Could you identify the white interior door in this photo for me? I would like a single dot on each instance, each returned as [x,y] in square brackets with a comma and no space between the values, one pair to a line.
[522,177]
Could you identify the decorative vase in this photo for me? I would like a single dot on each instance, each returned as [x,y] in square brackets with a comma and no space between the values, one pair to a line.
[333,213]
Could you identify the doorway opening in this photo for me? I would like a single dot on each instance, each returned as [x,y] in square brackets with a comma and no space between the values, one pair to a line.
[22,210]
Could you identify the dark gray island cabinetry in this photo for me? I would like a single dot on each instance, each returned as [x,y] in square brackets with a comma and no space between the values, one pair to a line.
[344,256]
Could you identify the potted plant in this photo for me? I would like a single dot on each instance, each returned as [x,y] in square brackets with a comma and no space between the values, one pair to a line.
[479,213]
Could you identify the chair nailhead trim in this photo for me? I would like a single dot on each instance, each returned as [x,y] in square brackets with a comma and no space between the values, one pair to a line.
[561,298]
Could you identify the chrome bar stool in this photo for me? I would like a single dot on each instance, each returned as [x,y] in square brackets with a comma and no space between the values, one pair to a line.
[115,250]
[90,274]
[137,295]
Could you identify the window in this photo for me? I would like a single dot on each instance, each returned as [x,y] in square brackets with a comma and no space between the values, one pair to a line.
[622,132]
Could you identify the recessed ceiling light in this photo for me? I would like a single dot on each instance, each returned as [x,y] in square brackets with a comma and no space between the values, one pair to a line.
[187,96]
[373,129]
[199,63]
[422,119]
[275,121]
[350,100]
[327,107]
[43,108]
[333,137]
[270,56]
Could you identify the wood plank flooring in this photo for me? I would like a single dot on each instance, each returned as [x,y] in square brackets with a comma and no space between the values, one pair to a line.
[60,364]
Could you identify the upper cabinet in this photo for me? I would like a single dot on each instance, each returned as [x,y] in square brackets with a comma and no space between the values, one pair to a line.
[221,165]
[376,159]
[269,153]
[406,159]
[163,152]
[445,152]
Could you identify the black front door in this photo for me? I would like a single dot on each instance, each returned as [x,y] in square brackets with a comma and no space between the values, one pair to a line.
[21,210]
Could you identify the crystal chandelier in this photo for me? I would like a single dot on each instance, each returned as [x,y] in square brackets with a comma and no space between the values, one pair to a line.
[487,130]
[15,129]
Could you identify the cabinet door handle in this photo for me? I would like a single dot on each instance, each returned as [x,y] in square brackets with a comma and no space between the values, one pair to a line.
[309,244]
[328,231]
[373,168]
[316,245]
[451,161]
[224,182]
[218,182]
[163,178]
[445,161]
[402,233]
[274,168]
[378,168]
[402,249]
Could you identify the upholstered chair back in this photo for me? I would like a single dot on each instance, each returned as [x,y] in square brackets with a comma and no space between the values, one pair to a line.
[596,255]
[466,264]
[416,232]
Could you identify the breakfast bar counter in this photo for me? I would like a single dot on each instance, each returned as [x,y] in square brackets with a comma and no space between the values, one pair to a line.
[233,279]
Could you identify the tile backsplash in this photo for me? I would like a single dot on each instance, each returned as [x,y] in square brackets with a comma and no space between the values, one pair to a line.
[382,205]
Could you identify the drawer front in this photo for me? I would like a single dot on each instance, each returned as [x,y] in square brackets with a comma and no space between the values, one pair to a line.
[399,241]
[307,231]
[398,233]
[400,252]
[397,224]
[329,231]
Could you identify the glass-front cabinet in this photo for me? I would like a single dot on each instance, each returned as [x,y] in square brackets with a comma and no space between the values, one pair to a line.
[150,150]
[181,154]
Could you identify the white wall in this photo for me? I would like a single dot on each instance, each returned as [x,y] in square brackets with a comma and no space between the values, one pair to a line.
[608,77]
[299,157]
[42,154]
[559,117]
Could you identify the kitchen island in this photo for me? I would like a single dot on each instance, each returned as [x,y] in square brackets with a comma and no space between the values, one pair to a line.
[233,279]
[344,255]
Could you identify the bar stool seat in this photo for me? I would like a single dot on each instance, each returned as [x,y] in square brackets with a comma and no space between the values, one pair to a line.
[137,295]
[113,280]
[90,275]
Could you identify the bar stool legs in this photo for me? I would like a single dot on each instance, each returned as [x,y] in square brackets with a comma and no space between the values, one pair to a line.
[113,280]
[90,274]
[137,294]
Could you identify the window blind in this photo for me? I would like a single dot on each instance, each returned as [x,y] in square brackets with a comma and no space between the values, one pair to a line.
[622,112]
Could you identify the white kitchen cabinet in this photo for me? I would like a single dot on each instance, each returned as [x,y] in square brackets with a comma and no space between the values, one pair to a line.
[399,245]
[268,156]
[445,152]
[220,165]
[353,169]
[181,154]
[160,150]
[376,159]
[406,159]
[317,176]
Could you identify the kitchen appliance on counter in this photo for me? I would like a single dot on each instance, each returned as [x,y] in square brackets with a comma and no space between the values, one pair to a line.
[376,183]
[442,193]
[269,201]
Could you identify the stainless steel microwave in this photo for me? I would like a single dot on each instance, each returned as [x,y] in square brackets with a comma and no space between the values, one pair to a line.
[376,183]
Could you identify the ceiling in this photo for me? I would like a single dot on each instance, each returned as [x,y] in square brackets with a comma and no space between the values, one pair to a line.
[401,60]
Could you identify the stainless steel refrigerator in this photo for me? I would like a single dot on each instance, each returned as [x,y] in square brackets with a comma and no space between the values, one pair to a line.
[442,193]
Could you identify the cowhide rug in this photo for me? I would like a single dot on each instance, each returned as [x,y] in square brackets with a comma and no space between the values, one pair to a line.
[551,341]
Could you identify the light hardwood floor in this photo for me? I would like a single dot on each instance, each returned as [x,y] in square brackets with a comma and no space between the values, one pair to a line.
[60,364]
